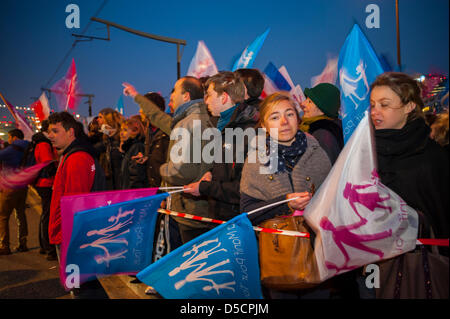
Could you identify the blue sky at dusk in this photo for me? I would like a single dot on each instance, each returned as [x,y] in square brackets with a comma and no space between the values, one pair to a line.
[34,40]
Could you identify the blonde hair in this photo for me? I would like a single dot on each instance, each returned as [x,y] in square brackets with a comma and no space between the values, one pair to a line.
[440,128]
[134,124]
[273,99]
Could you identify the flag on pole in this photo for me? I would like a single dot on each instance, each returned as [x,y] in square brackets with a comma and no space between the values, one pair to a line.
[41,107]
[21,123]
[116,239]
[274,81]
[358,67]
[67,90]
[81,202]
[222,263]
[358,220]
[296,90]
[202,64]
[120,106]
[328,74]
[249,54]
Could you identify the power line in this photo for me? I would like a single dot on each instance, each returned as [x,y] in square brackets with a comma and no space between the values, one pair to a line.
[74,43]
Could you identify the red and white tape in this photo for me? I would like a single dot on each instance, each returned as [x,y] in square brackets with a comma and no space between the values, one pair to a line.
[261,229]
[420,241]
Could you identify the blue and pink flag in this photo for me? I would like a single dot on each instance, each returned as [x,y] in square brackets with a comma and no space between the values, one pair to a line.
[249,54]
[72,204]
[220,264]
[358,67]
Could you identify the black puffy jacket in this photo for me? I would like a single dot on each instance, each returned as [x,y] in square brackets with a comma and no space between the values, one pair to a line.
[224,190]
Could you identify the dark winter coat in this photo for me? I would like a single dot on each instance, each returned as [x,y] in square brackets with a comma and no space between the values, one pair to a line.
[416,168]
[156,151]
[224,190]
[133,175]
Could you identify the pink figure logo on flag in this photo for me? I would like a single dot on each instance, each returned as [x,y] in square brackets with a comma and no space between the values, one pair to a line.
[343,235]
[110,236]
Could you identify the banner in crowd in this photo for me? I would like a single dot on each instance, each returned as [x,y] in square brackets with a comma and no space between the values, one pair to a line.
[328,74]
[358,220]
[274,81]
[116,239]
[296,90]
[67,90]
[119,106]
[21,123]
[248,56]
[81,202]
[358,67]
[41,107]
[222,263]
[16,178]
[202,64]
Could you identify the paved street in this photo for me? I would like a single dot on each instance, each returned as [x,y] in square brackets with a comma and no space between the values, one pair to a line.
[29,275]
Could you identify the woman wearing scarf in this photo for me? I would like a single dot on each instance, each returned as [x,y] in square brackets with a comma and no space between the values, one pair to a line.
[297,166]
[412,165]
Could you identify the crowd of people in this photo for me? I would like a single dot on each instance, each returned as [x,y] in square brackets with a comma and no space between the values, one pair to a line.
[137,152]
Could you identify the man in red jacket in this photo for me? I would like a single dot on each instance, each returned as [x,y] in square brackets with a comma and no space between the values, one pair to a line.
[76,170]
[43,152]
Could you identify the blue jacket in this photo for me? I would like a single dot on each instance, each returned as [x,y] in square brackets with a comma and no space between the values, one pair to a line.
[12,155]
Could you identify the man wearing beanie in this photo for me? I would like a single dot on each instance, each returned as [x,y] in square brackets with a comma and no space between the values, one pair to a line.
[320,119]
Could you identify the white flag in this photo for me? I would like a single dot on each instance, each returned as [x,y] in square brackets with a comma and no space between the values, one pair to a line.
[357,219]
[296,91]
[202,63]
[328,75]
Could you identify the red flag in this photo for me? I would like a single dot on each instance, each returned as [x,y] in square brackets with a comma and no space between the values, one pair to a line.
[67,90]
[41,107]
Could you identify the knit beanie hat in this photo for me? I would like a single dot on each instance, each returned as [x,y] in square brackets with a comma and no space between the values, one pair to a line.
[327,98]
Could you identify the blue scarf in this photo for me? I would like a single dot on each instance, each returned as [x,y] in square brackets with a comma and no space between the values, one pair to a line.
[225,118]
[287,156]
[183,107]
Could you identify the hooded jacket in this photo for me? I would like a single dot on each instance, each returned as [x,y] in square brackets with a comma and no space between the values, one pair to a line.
[78,172]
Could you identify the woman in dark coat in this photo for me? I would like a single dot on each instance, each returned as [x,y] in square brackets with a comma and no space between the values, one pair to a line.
[110,121]
[133,174]
[409,162]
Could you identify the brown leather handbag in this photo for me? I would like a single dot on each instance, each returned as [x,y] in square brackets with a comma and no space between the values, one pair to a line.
[287,262]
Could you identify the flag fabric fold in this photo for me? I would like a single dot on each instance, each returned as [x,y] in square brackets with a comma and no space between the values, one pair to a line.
[82,202]
[20,177]
[249,54]
[358,220]
[120,106]
[21,123]
[222,263]
[328,74]
[41,107]
[358,67]
[67,90]
[202,64]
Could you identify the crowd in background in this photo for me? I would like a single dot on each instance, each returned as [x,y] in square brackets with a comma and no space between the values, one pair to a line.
[120,153]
